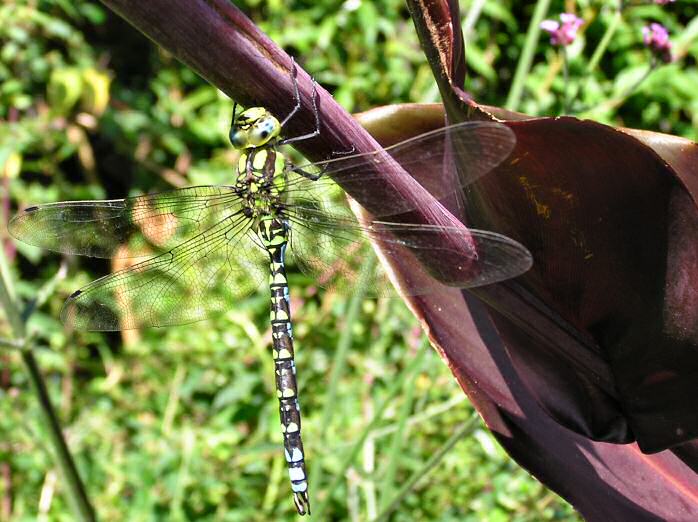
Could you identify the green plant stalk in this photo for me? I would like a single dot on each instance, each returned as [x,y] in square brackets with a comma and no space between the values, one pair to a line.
[398,438]
[340,359]
[11,343]
[430,465]
[187,438]
[603,43]
[472,17]
[76,494]
[618,100]
[367,477]
[276,476]
[8,298]
[394,389]
[566,81]
[526,58]
[423,416]
[597,54]
[630,90]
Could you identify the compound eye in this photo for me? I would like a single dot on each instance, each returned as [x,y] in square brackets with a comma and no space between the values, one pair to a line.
[263,131]
[238,138]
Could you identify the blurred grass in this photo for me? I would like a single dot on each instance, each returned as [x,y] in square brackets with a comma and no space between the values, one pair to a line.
[182,423]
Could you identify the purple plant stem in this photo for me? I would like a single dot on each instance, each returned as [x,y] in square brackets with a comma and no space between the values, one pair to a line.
[219,42]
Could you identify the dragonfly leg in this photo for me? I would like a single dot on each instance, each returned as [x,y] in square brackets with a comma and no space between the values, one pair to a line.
[296,108]
[314,176]
[296,93]
[235,109]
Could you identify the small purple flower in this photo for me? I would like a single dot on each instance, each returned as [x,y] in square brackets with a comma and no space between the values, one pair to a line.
[656,37]
[563,32]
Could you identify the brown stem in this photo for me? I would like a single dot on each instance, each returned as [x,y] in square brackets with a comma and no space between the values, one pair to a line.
[218,41]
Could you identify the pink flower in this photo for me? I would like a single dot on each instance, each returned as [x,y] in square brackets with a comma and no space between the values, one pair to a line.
[656,37]
[563,32]
[664,2]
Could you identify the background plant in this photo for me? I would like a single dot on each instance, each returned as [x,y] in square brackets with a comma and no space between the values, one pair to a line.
[181,423]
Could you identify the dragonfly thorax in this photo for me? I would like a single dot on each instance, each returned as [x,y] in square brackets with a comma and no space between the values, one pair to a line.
[261,180]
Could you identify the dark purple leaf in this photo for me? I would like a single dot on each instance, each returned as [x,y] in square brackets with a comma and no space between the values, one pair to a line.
[545,405]
[599,341]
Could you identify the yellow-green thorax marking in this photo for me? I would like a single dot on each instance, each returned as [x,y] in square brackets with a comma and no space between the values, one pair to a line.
[261,182]
[261,169]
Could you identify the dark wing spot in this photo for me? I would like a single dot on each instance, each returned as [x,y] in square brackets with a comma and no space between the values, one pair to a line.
[75,294]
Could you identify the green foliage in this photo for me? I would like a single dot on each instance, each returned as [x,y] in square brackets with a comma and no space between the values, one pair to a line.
[181,423]
[615,83]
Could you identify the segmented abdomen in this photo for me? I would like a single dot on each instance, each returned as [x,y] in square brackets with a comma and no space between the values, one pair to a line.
[274,233]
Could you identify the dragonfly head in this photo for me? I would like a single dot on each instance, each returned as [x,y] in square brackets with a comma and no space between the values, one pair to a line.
[254,127]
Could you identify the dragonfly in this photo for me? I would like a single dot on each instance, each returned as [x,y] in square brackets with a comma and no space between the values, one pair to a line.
[214,245]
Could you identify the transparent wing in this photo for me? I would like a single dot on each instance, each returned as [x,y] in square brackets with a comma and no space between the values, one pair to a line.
[211,256]
[99,228]
[329,244]
[430,158]
[188,283]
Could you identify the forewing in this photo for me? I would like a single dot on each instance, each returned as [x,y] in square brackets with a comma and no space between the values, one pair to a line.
[442,161]
[188,283]
[100,228]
